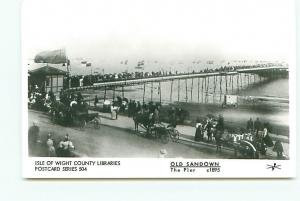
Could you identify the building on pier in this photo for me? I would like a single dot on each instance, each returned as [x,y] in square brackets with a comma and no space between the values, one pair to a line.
[47,79]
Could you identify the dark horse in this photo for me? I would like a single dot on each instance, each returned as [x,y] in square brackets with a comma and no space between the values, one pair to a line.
[144,119]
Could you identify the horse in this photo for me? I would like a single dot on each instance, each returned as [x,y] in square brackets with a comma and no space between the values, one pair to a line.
[142,119]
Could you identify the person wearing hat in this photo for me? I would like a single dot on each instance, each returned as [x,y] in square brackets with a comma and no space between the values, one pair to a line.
[50,146]
[278,148]
[199,132]
[66,147]
[220,124]
[218,138]
[33,137]
[208,128]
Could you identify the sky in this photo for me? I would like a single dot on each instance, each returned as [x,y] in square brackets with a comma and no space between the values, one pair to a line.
[168,31]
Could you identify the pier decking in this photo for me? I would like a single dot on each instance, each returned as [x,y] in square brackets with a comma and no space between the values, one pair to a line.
[138,81]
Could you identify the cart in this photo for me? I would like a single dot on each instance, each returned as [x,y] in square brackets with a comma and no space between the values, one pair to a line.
[244,145]
[78,117]
[82,120]
[162,132]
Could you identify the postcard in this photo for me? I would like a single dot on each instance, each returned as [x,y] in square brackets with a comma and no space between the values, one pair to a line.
[158,89]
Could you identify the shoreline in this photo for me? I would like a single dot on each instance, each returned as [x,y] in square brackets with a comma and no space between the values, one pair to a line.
[237,117]
[234,118]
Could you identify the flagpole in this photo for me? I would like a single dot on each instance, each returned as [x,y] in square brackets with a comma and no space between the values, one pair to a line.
[68,68]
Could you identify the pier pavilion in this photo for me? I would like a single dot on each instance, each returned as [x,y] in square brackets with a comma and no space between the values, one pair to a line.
[47,78]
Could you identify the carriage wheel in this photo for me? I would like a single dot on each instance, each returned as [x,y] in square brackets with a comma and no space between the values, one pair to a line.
[165,138]
[82,124]
[174,135]
[96,124]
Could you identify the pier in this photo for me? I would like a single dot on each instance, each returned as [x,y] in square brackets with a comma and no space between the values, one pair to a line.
[225,81]
[258,71]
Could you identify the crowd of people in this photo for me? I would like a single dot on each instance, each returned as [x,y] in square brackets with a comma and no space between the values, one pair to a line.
[256,132]
[88,80]
[265,128]
[210,127]
[48,147]
[207,129]
[62,110]
[38,99]
[131,108]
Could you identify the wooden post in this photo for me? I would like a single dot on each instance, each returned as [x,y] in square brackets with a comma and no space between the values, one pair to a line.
[231,83]
[248,80]
[237,82]
[214,93]
[241,77]
[198,88]
[171,91]
[178,90]
[221,87]
[57,83]
[205,83]
[226,83]
[144,93]
[122,91]
[207,89]
[151,91]
[215,80]
[192,89]
[186,93]
[159,93]
[114,93]
[202,90]
[104,93]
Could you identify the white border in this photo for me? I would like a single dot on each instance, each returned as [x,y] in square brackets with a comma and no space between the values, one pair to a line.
[159,168]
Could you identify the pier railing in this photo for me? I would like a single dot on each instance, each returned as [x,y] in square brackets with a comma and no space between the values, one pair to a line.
[126,82]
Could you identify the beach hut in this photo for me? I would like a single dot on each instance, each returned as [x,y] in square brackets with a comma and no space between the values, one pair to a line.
[47,78]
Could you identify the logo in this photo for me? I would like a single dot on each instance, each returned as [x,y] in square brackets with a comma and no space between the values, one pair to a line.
[274,166]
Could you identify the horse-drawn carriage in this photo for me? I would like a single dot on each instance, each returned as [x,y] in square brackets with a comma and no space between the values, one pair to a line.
[155,130]
[83,118]
[163,133]
[75,115]
[247,145]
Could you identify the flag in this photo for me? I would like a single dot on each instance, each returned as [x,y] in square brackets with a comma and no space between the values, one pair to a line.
[52,57]
[83,62]
[140,63]
[88,64]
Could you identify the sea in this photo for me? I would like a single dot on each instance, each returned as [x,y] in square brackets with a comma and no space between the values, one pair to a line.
[257,97]
[266,99]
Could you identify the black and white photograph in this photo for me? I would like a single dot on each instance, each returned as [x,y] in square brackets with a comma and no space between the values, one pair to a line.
[158,89]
